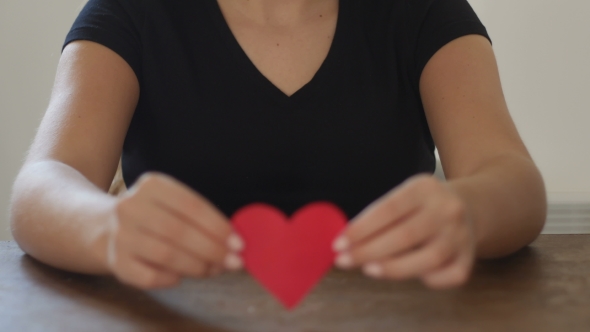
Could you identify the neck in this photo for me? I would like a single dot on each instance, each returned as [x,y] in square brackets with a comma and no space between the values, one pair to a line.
[280,12]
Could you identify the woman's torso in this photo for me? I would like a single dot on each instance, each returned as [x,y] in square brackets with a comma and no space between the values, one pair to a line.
[210,118]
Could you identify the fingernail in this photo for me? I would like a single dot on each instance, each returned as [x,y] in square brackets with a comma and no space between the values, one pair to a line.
[373,270]
[344,261]
[235,243]
[233,262]
[340,244]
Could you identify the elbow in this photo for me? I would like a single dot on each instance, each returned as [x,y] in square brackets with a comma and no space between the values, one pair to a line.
[538,211]
[537,222]
[532,205]
[22,208]
[17,212]
[534,214]
[525,225]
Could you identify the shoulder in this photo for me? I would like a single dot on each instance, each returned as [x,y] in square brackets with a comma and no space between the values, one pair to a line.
[394,7]
[402,15]
[101,10]
[408,9]
[147,7]
[410,17]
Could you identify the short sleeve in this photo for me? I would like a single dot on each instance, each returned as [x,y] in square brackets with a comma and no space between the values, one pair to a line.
[443,21]
[113,23]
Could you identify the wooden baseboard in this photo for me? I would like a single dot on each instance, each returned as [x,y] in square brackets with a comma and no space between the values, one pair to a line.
[568,218]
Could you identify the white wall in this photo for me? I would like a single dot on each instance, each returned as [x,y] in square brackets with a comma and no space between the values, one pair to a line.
[542,48]
[31,35]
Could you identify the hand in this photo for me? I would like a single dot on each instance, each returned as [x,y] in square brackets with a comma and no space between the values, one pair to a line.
[162,231]
[418,230]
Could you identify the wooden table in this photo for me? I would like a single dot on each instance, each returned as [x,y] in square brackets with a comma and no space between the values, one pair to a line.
[543,288]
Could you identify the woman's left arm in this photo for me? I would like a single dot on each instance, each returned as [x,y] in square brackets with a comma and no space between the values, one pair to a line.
[493,202]
[484,158]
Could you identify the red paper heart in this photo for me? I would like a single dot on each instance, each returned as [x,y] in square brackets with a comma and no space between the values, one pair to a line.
[289,258]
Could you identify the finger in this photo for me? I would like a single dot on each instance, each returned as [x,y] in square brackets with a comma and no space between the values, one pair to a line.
[411,233]
[453,275]
[135,273]
[215,270]
[389,209]
[155,251]
[233,262]
[182,200]
[417,263]
[161,223]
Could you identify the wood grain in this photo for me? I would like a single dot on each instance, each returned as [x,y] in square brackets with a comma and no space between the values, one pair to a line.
[545,287]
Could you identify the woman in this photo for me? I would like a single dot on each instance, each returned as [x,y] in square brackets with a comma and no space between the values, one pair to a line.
[284,102]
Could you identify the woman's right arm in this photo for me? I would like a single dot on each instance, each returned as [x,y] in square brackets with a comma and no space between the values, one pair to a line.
[61,213]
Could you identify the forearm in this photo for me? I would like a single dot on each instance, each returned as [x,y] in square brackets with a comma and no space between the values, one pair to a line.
[59,217]
[507,202]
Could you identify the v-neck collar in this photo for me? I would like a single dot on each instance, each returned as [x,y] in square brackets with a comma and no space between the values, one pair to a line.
[263,82]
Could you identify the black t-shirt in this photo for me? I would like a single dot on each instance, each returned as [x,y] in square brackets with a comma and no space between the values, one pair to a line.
[209,118]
